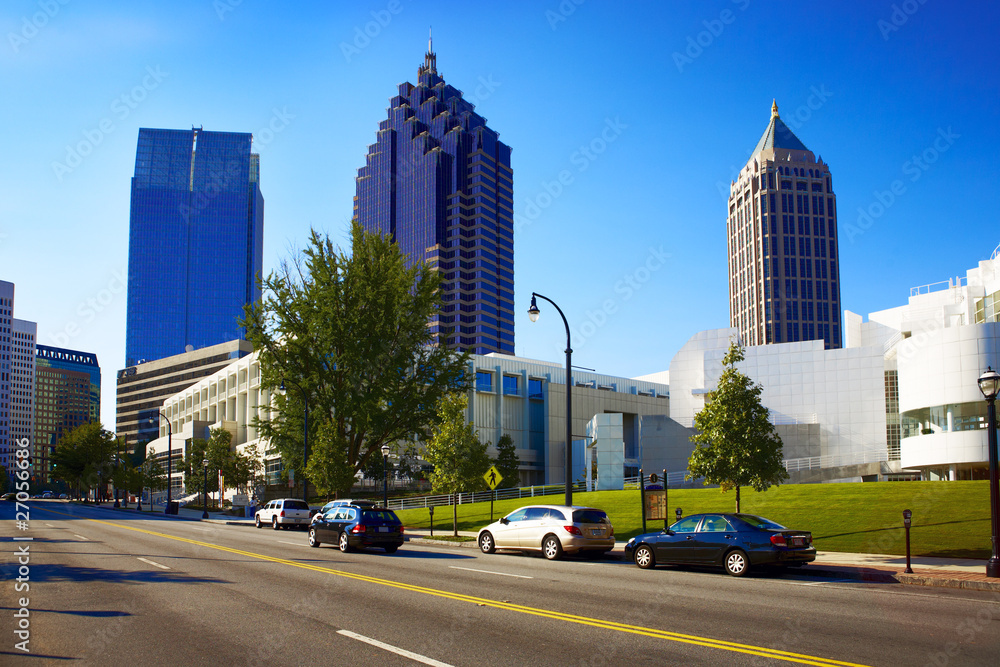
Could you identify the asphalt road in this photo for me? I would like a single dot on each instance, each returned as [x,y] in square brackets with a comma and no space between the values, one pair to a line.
[110,588]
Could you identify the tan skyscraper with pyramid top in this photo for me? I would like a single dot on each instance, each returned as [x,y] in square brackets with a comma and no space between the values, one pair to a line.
[784,277]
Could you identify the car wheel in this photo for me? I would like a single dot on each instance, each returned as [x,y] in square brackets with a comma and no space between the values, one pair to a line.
[486,543]
[644,557]
[391,550]
[313,542]
[344,543]
[552,548]
[274,523]
[256,521]
[736,563]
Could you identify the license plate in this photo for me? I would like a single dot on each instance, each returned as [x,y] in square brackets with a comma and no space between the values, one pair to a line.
[383,529]
[597,532]
[798,541]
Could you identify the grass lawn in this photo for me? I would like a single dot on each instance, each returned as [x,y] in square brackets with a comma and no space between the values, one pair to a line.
[950,519]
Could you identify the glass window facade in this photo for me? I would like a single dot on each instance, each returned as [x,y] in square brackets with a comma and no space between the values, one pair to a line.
[438,181]
[195,241]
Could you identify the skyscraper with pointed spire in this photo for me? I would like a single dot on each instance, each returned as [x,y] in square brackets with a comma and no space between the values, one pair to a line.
[438,181]
[784,272]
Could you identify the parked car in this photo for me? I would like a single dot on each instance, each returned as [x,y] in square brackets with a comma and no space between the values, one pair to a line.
[283,513]
[47,494]
[9,497]
[356,527]
[551,529]
[318,514]
[736,542]
[63,496]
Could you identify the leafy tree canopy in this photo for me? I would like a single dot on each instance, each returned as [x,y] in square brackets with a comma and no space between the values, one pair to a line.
[349,335]
[507,462]
[736,445]
[84,456]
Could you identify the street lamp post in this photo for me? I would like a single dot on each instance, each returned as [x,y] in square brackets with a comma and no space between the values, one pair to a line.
[204,509]
[989,383]
[533,314]
[170,444]
[385,476]
[305,437]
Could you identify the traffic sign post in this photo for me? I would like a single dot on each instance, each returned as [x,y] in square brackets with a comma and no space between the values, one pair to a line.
[493,478]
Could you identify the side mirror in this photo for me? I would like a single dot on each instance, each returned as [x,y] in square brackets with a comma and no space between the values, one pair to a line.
[504,521]
[669,532]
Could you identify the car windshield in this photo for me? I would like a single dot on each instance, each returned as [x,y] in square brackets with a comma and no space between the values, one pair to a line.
[296,505]
[590,516]
[759,522]
[379,516]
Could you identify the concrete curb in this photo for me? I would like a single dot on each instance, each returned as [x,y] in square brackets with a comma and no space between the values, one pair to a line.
[947,582]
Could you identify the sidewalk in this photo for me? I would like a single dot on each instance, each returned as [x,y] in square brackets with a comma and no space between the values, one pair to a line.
[946,572]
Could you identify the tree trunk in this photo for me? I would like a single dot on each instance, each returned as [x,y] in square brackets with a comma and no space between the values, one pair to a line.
[737,499]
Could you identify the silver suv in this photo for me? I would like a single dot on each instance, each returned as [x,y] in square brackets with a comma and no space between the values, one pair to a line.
[283,513]
[551,529]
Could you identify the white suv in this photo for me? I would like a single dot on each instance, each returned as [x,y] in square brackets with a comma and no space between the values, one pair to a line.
[283,513]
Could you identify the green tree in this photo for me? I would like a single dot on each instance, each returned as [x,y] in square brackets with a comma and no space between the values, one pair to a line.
[507,462]
[248,469]
[84,457]
[736,445]
[349,333]
[459,459]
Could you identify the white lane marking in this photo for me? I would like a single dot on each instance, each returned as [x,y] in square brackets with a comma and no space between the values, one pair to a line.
[502,574]
[416,657]
[820,583]
[145,560]
[206,530]
[50,525]
[294,544]
[82,537]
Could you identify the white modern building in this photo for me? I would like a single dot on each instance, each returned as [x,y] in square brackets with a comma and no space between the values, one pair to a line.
[17,378]
[944,338]
[523,398]
[900,399]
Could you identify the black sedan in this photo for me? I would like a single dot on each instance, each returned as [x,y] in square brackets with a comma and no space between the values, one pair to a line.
[353,527]
[734,541]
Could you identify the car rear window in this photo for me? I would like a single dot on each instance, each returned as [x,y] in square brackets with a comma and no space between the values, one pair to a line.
[379,516]
[590,516]
[760,522]
[296,505]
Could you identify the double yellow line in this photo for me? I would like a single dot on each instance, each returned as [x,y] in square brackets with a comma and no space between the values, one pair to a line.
[534,611]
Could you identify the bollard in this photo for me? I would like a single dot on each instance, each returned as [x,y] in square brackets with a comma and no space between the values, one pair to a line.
[431,510]
[906,524]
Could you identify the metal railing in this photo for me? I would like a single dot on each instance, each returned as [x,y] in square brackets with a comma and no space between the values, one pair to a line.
[835,461]
[482,496]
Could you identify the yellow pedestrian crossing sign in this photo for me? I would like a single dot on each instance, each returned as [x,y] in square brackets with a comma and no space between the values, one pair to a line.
[493,477]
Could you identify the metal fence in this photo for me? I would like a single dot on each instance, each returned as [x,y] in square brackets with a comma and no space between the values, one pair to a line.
[482,496]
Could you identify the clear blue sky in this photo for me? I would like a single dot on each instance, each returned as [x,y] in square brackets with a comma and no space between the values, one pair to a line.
[670,96]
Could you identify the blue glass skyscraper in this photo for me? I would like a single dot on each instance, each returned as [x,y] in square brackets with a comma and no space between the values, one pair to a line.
[439,182]
[195,241]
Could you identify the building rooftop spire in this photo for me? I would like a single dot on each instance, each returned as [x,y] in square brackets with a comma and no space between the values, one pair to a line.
[430,60]
[774,108]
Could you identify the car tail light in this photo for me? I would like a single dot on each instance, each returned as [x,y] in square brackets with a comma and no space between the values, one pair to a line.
[282,514]
[611,531]
[572,530]
[779,540]
[400,529]
[358,528]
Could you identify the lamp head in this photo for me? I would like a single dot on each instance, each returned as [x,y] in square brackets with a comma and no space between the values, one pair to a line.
[989,383]
[281,387]
[533,311]
[385,450]
[204,462]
